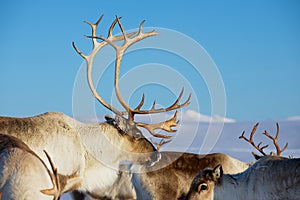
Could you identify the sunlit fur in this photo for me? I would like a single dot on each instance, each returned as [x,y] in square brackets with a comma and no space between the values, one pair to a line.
[89,154]
[174,178]
[270,177]
[22,174]
[18,178]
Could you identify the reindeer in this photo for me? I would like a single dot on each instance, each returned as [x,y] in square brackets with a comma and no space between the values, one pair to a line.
[88,155]
[19,169]
[271,177]
[165,180]
[172,181]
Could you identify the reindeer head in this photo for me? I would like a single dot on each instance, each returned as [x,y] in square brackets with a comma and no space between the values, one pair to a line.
[124,121]
[202,186]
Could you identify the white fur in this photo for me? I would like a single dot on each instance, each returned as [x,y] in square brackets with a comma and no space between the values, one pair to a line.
[89,153]
[18,178]
[269,178]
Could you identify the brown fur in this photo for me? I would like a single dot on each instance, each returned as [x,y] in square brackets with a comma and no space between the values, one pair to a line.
[7,142]
[173,180]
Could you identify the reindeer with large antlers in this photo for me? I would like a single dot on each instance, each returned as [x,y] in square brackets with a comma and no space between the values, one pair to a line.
[271,177]
[155,184]
[88,155]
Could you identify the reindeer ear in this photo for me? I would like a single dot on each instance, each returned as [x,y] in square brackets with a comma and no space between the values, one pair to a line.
[256,156]
[217,173]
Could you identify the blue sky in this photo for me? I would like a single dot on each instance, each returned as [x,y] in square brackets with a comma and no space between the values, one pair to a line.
[255,45]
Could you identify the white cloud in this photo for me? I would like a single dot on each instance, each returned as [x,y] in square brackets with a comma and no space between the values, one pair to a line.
[293,118]
[191,115]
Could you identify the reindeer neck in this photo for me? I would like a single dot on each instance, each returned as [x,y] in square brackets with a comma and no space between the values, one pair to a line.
[233,184]
[98,178]
[102,142]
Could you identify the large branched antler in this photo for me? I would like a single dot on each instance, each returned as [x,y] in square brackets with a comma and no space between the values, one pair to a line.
[128,40]
[260,149]
[120,50]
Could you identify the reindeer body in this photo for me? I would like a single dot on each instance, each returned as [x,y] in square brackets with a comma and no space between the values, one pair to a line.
[56,133]
[271,177]
[88,154]
[173,181]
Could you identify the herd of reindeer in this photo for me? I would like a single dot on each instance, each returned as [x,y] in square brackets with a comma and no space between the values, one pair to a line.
[45,156]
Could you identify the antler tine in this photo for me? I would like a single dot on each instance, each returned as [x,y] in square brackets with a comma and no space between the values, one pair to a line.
[166,126]
[275,141]
[122,29]
[141,27]
[161,143]
[138,107]
[112,27]
[250,140]
[78,51]
[174,106]
[263,147]
[141,103]
[277,130]
[94,29]
[153,105]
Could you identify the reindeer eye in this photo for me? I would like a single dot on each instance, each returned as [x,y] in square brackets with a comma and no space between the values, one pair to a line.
[137,135]
[202,187]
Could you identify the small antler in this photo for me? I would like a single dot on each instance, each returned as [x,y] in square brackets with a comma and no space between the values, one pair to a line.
[56,190]
[260,149]
[275,141]
[250,140]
